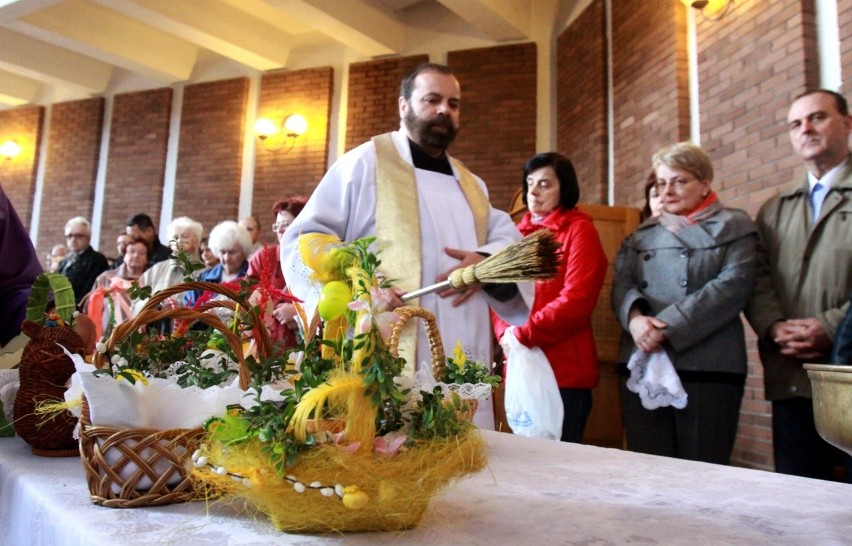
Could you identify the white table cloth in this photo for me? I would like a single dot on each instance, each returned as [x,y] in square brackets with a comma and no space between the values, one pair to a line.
[533,492]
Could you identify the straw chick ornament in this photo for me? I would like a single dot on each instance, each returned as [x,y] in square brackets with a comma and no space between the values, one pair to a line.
[536,256]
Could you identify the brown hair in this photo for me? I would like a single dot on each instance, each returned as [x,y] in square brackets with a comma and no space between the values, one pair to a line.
[293,205]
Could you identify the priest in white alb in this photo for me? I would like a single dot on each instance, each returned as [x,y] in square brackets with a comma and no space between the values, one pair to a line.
[430,216]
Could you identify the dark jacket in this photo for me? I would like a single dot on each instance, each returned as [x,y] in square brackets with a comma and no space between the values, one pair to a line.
[83,270]
[19,267]
[158,252]
[842,353]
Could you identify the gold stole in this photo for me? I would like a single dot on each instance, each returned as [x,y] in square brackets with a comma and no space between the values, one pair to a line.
[398,225]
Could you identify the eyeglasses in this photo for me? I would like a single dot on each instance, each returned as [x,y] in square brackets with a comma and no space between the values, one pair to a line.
[675,183]
[277,225]
[75,235]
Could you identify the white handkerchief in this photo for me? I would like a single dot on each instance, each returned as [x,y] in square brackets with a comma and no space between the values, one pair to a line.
[654,378]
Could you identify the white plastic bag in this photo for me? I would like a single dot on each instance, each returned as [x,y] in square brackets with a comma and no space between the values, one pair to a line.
[533,404]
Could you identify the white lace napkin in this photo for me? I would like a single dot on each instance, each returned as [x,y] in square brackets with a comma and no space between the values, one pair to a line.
[654,378]
[425,381]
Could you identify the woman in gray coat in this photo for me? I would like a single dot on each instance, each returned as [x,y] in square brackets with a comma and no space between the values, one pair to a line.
[681,280]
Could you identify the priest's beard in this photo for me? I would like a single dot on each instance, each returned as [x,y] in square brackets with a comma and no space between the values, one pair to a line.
[426,136]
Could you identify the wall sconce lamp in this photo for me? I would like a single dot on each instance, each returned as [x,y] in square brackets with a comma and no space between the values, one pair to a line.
[275,137]
[10,150]
[712,10]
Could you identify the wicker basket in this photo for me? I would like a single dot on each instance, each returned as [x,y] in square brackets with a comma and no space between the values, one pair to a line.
[45,369]
[134,467]
[436,349]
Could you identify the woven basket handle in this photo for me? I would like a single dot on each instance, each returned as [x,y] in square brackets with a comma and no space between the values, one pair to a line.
[436,346]
[147,316]
[264,342]
[63,295]
[160,296]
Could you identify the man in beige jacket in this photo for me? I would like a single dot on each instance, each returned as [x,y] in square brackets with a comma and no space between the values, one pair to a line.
[804,278]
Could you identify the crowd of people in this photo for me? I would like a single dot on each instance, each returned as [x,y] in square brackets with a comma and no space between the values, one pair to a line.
[682,279]
[102,285]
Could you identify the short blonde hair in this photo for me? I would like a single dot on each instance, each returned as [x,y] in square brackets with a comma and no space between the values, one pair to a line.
[685,156]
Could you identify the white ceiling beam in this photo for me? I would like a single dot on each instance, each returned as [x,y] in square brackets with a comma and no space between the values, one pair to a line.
[212,25]
[53,65]
[356,25]
[18,89]
[12,9]
[282,20]
[501,20]
[101,33]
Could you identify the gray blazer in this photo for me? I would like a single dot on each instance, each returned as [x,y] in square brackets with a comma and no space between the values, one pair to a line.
[696,281]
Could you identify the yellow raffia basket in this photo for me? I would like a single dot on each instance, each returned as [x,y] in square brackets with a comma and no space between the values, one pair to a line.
[313,496]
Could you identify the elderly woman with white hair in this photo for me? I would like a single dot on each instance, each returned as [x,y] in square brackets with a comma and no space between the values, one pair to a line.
[185,236]
[232,244]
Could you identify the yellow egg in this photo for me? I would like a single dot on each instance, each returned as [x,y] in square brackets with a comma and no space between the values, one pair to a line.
[334,300]
[355,500]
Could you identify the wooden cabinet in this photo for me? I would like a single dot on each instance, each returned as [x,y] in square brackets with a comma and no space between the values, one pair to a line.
[605,426]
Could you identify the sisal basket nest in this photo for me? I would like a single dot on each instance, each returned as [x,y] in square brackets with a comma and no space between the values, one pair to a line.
[135,467]
[308,498]
[45,369]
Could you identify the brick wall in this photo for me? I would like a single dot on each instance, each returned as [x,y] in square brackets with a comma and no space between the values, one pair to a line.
[138,139]
[17,175]
[751,65]
[279,175]
[73,145]
[581,103]
[498,114]
[373,106]
[207,185]
[844,22]
[650,88]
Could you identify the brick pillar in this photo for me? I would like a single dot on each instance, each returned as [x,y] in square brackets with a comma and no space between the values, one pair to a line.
[581,103]
[73,145]
[139,134]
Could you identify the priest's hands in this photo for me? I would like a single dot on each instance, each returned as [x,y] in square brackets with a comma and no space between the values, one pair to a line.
[465,258]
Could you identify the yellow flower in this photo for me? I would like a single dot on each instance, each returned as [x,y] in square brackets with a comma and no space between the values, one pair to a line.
[135,374]
[459,358]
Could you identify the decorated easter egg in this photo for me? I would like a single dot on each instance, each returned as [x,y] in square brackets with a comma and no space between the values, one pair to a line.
[334,299]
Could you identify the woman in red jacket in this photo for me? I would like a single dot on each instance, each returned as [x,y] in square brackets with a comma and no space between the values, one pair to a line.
[561,319]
